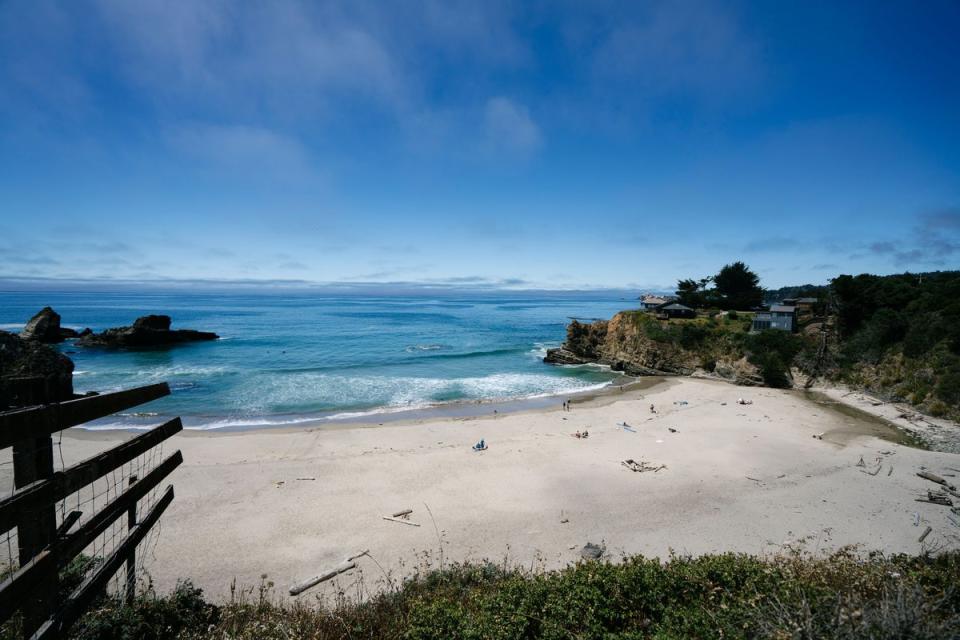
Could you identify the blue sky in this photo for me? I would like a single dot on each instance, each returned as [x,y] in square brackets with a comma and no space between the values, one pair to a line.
[539,144]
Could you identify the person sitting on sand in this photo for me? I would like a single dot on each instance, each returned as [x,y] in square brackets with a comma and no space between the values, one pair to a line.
[586,434]
[652,410]
[480,446]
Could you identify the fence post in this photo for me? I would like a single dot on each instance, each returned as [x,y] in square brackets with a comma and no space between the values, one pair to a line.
[32,461]
[132,558]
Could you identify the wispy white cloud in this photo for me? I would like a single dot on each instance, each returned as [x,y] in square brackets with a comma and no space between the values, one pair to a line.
[510,127]
[252,150]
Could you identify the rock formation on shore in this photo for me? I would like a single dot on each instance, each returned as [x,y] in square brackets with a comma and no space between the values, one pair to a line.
[640,345]
[29,369]
[45,327]
[147,331]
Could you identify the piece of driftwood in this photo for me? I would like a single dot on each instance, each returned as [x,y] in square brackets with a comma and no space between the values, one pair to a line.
[400,514]
[937,498]
[941,497]
[357,555]
[303,586]
[400,520]
[932,477]
[926,532]
[642,466]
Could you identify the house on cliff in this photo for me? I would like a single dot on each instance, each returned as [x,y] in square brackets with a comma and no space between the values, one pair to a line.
[780,317]
[675,310]
[649,301]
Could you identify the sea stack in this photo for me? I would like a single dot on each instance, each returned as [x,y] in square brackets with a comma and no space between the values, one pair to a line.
[45,327]
[147,331]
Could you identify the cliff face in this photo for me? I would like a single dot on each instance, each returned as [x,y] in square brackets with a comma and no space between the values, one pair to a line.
[640,345]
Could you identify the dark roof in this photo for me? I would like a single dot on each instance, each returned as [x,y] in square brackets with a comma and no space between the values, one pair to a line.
[780,308]
[674,306]
[807,300]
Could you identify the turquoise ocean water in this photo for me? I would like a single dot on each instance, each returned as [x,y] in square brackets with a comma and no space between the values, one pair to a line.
[288,359]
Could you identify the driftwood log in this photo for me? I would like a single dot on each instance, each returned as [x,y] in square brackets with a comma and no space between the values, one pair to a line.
[323,577]
[932,477]
[926,532]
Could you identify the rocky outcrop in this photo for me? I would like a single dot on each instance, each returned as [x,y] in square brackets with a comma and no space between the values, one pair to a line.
[31,372]
[147,331]
[45,327]
[640,345]
[562,355]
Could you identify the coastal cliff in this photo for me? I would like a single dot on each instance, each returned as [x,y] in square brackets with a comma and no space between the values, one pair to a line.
[639,344]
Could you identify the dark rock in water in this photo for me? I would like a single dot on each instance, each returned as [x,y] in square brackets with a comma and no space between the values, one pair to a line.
[562,355]
[31,373]
[68,333]
[147,331]
[44,327]
[154,323]
[86,332]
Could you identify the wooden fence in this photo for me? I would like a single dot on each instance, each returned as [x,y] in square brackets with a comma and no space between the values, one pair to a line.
[45,547]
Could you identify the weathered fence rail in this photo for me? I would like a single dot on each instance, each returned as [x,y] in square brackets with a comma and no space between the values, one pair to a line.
[46,548]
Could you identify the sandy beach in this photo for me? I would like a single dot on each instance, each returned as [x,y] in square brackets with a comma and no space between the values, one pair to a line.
[289,504]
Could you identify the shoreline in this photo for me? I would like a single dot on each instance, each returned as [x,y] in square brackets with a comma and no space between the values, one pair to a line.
[890,421]
[453,410]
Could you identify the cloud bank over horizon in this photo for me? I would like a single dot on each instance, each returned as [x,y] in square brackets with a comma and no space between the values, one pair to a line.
[496,144]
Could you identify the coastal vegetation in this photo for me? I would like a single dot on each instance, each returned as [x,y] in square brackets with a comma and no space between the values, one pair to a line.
[899,336]
[794,595]
[716,343]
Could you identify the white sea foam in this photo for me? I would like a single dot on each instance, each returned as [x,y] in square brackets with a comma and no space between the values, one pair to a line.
[539,350]
[424,347]
[317,392]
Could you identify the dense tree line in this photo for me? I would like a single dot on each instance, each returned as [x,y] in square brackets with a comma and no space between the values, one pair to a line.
[914,317]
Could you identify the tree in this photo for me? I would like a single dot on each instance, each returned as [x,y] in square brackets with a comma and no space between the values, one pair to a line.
[688,293]
[738,287]
[693,293]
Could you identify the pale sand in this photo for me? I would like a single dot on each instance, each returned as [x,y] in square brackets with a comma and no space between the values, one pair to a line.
[230,519]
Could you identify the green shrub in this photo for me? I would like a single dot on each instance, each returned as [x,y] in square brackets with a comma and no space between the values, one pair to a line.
[726,595]
[149,616]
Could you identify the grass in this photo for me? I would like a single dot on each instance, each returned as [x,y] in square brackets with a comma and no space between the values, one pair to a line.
[728,595]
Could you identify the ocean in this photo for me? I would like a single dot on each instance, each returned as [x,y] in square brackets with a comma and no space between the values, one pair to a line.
[285,359]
